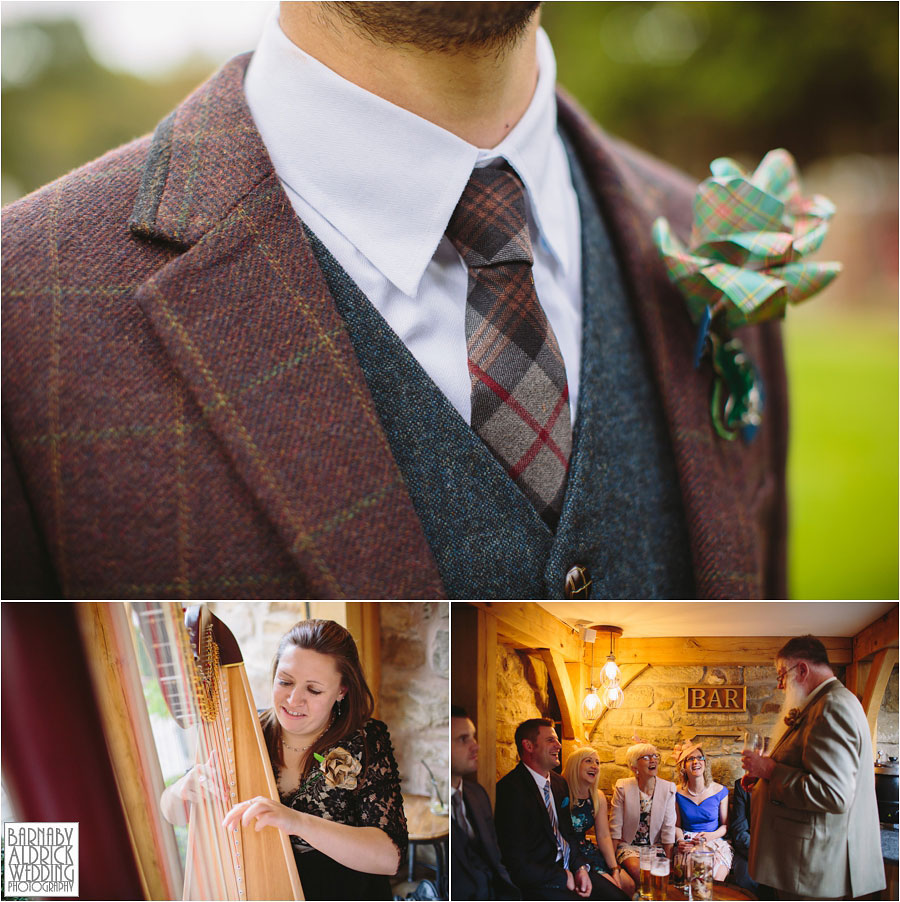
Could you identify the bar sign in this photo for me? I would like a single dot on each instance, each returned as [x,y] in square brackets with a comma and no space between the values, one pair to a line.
[717,698]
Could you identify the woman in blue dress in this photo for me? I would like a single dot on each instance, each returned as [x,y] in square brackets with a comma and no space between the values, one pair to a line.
[588,809]
[701,812]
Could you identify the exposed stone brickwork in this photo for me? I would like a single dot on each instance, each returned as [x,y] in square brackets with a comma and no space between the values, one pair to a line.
[654,711]
[415,681]
[523,692]
[887,739]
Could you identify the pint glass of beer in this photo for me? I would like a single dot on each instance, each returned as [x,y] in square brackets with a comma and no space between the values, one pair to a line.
[645,890]
[659,871]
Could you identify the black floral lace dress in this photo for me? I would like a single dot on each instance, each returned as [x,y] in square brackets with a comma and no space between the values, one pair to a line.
[369,798]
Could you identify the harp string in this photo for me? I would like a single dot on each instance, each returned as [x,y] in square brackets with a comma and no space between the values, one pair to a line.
[196,734]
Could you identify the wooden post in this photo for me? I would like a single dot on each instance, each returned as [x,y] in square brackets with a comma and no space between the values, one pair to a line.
[569,707]
[486,670]
[851,677]
[578,677]
[364,624]
[878,676]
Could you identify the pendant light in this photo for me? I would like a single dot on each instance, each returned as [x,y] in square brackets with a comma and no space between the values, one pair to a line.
[590,707]
[610,694]
[610,668]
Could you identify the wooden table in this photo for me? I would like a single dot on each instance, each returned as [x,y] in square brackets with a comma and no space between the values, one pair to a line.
[427,828]
[721,891]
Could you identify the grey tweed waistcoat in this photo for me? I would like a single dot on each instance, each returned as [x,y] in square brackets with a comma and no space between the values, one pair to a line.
[622,517]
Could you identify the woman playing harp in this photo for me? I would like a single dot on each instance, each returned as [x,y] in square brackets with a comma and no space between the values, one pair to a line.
[337,779]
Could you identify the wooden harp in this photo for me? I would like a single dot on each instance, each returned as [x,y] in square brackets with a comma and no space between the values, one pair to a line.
[201,677]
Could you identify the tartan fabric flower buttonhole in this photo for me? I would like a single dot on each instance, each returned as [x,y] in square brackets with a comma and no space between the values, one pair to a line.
[792,716]
[742,267]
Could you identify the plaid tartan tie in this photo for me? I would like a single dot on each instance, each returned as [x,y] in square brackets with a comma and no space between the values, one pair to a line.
[520,397]
[561,844]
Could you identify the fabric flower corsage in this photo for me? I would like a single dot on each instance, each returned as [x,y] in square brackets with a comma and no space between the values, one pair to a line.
[792,716]
[338,768]
[743,266]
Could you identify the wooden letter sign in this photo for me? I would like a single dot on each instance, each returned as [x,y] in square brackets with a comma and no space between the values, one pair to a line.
[717,698]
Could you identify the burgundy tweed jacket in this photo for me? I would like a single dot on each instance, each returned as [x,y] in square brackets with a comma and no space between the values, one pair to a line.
[184,416]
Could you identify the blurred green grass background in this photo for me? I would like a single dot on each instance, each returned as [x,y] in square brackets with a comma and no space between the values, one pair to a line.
[686,82]
[842,465]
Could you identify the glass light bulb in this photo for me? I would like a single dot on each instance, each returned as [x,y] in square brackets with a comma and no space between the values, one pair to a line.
[610,672]
[591,706]
[613,696]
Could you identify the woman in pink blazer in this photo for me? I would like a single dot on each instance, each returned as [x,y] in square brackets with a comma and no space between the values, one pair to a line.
[643,809]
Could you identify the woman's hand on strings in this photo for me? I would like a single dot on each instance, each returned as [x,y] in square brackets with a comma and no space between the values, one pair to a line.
[200,784]
[266,812]
[203,782]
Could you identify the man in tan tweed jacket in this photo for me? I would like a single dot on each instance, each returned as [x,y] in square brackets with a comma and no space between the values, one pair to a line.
[814,832]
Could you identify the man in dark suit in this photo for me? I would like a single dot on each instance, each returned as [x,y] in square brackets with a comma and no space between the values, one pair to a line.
[476,868]
[534,823]
[234,360]
[739,830]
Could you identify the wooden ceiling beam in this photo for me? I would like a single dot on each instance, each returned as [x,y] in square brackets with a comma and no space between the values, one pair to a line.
[713,650]
[881,633]
[525,624]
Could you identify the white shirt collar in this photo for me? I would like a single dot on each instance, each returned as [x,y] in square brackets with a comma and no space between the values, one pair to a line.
[540,779]
[385,178]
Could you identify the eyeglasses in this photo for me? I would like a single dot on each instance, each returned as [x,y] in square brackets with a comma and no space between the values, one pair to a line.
[695,758]
[783,673]
[648,758]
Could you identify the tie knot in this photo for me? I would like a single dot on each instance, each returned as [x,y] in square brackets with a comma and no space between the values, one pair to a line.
[489,224]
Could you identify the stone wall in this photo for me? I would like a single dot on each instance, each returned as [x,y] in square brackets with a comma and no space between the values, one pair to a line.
[415,686]
[414,672]
[523,692]
[654,711]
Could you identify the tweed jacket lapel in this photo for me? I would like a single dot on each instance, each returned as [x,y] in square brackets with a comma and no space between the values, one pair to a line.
[727,487]
[247,319]
[801,718]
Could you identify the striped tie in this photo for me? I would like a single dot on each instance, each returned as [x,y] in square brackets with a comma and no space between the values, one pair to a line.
[561,844]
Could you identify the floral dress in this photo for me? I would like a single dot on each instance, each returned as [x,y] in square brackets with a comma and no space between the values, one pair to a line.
[582,821]
[356,784]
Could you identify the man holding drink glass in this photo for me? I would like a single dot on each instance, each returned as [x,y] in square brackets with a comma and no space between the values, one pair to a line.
[814,820]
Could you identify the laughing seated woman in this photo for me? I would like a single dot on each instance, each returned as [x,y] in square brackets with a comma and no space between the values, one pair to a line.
[643,809]
[701,811]
[337,779]
[582,773]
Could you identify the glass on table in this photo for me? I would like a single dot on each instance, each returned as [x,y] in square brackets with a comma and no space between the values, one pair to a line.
[646,890]
[702,875]
[659,871]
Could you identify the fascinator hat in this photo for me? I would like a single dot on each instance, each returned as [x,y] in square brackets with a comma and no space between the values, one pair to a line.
[684,750]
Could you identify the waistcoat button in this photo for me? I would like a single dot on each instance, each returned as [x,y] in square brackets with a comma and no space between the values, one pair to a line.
[578,583]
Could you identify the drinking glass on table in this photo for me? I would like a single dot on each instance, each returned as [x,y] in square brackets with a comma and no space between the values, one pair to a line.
[659,871]
[647,855]
[702,863]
